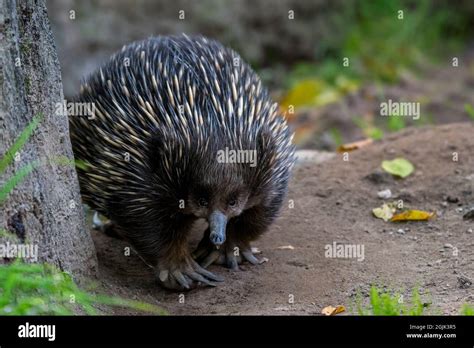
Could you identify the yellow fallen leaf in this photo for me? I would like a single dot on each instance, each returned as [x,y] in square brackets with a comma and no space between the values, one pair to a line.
[355,145]
[385,212]
[330,310]
[412,215]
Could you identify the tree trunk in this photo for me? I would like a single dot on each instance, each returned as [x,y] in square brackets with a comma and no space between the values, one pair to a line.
[44,209]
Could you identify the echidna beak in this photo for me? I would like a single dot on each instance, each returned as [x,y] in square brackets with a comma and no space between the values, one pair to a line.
[217,225]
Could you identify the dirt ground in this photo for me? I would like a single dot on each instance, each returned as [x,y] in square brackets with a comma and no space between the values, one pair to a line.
[333,201]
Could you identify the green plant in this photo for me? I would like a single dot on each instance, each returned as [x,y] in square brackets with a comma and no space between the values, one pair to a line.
[469,110]
[391,303]
[10,155]
[467,310]
[41,289]
[369,130]
[395,123]
[20,174]
[336,136]
[20,142]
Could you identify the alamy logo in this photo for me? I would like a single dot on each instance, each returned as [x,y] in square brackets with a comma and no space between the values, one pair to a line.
[345,251]
[393,108]
[37,331]
[76,109]
[237,156]
[23,251]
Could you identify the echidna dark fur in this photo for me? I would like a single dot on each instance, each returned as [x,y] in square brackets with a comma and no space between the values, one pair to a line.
[165,108]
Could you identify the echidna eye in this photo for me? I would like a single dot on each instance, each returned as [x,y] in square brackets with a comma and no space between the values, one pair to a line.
[232,202]
[202,202]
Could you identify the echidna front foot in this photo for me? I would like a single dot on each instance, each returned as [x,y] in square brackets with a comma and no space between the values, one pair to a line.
[230,254]
[184,274]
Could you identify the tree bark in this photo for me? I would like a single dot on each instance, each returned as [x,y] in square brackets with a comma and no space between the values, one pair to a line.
[45,209]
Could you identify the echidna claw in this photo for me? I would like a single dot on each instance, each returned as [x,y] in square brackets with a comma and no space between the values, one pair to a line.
[163,275]
[211,258]
[187,276]
[250,257]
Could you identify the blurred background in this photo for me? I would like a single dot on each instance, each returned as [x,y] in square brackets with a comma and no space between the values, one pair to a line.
[334,62]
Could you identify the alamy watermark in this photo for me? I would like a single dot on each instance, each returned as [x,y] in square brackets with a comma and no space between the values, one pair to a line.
[237,156]
[76,109]
[27,252]
[394,108]
[345,251]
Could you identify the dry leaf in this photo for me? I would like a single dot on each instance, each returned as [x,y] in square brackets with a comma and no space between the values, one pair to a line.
[355,145]
[286,247]
[330,310]
[412,215]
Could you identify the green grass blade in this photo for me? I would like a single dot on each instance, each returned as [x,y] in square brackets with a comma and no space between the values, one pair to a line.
[16,179]
[18,144]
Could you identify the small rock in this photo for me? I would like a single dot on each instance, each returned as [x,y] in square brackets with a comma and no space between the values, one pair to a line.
[283,308]
[380,177]
[384,194]
[444,204]
[464,282]
[401,231]
[459,210]
[469,215]
[448,246]
[469,230]
[451,199]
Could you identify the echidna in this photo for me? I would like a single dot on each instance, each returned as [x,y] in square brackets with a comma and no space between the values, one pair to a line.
[166,110]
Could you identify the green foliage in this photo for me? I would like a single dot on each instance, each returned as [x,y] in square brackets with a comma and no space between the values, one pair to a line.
[21,174]
[20,142]
[369,130]
[395,123]
[387,302]
[467,310]
[16,179]
[382,41]
[469,110]
[336,136]
[392,303]
[41,289]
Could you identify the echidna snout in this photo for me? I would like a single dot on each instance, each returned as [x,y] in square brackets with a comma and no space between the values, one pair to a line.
[218,203]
